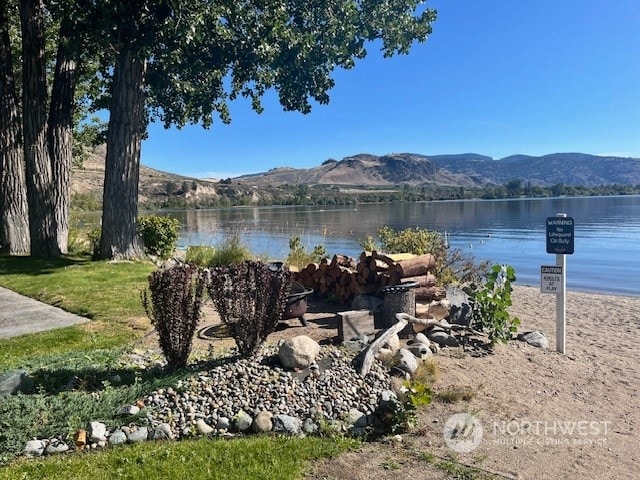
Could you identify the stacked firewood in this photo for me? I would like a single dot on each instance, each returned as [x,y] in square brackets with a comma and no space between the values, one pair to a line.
[345,278]
[335,277]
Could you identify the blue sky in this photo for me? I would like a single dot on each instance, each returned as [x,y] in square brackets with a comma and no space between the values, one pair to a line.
[496,77]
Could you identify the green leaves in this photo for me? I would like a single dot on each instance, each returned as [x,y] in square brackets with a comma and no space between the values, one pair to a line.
[489,304]
[159,235]
[230,49]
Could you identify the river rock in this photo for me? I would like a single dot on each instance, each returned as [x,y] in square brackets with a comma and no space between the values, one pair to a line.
[56,446]
[357,418]
[35,448]
[223,423]
[129,410]
[118,437]
[162,432]
[298,352]
[243,421]
[535,338]
[387,401]
[203,427]
[287,424]
[263,422]
[393,343]
[442,338]
[139,435]
[309,426]
[420,338]
[97,432]
[406,361]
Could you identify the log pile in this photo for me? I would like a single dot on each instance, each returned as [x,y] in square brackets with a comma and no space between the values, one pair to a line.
[345,278]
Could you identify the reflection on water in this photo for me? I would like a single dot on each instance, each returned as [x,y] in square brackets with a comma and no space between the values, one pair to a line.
[607,230]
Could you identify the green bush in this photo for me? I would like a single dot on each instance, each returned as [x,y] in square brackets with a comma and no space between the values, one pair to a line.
[489,304]
[174,309]
[250,298]
[201,255]
[159,235]
[299,257]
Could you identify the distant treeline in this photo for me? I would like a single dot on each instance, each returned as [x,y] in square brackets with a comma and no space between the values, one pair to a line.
[342,195]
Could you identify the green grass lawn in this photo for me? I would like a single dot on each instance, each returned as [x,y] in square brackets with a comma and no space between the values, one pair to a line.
[255,458]
[109,294]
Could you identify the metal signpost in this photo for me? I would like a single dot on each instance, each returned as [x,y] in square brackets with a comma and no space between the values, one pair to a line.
[553,279]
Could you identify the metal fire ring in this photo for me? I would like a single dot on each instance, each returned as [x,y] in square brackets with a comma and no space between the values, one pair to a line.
[400,288]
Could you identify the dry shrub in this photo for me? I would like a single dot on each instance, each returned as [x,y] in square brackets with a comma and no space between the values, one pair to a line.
[250,298]
[174,309]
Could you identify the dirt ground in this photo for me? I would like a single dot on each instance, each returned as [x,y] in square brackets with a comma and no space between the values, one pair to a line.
[539,413]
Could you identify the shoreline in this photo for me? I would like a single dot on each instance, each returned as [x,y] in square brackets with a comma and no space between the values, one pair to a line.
[580,291]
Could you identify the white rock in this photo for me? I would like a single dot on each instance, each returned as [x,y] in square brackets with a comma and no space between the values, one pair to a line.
[97,432]
[129,410]
[35,448]
[118,437]
[298,352]
[406,361]
[263,422]
[203,428]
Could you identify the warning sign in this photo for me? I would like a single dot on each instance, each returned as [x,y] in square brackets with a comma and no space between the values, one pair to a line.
[560,235]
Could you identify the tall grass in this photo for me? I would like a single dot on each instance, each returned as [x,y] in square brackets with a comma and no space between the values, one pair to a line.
[230,251]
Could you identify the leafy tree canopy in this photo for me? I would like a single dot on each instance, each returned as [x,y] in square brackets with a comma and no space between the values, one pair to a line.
[202,54]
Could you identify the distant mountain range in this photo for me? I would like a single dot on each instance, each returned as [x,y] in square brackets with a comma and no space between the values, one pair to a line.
[466,170]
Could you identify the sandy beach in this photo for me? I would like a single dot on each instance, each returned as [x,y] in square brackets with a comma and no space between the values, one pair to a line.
[541,414]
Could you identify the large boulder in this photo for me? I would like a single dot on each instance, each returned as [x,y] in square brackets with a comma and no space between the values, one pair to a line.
[298,352]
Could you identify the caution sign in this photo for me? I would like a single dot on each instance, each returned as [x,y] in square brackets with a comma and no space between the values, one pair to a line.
[551,279]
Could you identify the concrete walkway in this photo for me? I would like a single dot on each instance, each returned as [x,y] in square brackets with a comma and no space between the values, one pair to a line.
[20,315]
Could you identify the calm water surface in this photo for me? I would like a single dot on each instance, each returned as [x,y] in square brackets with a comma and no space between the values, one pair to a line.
[607,233]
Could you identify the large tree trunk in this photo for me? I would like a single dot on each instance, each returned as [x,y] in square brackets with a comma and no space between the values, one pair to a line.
[60,132]
[127,123]
[42,225]
[14,226]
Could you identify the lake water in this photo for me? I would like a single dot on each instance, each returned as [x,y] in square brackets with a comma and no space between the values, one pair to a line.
[607,233]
